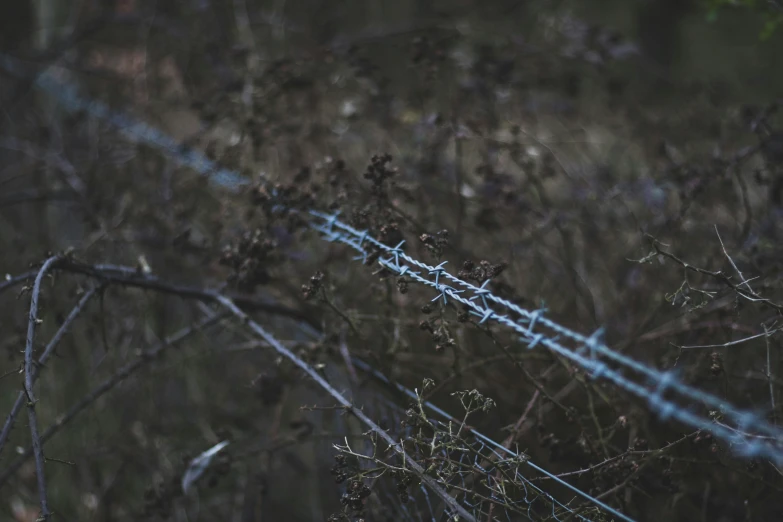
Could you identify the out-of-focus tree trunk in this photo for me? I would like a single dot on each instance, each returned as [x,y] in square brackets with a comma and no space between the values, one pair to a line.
[16,25]
[659,24]
[52,19]
[51,22]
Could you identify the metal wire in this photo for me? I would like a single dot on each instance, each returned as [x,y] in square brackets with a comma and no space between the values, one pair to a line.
[488,448]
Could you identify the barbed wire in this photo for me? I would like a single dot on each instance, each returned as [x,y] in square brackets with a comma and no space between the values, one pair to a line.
[585,356]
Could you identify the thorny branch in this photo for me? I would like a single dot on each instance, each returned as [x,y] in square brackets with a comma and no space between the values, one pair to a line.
[748,294]
[133,277]
[122,374]
[29,381]
[48,351]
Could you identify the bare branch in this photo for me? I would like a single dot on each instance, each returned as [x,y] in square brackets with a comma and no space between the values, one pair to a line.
[766,333]
[769,380]
[130,276]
